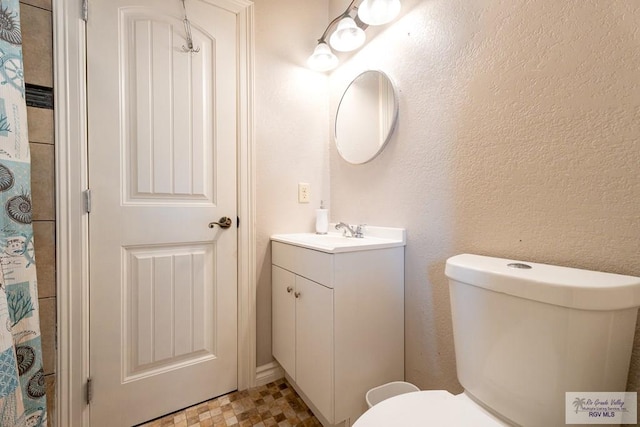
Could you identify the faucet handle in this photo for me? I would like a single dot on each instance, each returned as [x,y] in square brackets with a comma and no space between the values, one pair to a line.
[360,230]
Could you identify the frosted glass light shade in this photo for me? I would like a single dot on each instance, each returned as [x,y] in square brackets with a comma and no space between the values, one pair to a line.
[322,58]
[348,36]
[378,12]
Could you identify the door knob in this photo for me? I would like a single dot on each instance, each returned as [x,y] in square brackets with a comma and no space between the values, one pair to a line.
[224,222]
[297,294]
[289,289]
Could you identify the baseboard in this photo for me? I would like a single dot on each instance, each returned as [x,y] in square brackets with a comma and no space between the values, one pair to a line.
[268,372]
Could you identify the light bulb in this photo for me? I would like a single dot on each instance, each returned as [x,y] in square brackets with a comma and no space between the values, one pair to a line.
[348,36]
[378,12]
[322,58]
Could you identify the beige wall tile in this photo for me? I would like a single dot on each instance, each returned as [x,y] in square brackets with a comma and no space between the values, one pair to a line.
[44,233]
[37,34]
[40,125]
[50,381]
[42,181]
[44,4]
[48,333]
[37,45]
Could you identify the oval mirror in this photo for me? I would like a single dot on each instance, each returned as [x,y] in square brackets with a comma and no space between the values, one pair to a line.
[366,117]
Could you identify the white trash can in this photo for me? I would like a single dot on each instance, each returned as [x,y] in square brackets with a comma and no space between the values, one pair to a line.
[385,391]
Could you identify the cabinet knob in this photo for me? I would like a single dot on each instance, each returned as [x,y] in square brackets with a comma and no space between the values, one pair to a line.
[289,289]
[296,294]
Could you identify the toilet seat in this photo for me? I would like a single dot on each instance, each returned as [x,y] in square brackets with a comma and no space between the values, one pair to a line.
[428,408]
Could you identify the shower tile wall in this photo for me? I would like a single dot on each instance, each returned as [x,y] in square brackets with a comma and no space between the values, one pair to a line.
[37,44]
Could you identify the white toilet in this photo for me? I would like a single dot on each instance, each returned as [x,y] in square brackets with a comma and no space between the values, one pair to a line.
[524,335]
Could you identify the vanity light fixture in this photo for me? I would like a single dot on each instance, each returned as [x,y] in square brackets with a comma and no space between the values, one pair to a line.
[349,33]
[322,59]
[378,12]
[348,36]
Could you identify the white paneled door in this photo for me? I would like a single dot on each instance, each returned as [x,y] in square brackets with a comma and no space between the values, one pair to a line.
[162,166]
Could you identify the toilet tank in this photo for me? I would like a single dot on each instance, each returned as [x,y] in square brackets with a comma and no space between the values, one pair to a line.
[526,333]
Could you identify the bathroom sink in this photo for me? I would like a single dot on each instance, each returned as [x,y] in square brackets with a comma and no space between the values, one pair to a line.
[374,238]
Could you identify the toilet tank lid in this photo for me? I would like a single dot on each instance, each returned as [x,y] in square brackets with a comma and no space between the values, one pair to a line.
[563,286]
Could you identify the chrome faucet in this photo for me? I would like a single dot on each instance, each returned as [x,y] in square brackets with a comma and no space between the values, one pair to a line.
[357,233]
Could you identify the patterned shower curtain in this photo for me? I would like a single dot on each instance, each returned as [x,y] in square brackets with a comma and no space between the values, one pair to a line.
[22,383]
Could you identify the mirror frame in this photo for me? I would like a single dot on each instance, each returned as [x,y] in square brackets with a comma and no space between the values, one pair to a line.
[394,120]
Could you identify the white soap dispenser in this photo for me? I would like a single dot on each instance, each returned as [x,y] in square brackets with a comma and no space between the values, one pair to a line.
[322,219]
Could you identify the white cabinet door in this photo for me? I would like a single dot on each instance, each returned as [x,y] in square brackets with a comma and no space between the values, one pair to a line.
[284,319]
[314,343]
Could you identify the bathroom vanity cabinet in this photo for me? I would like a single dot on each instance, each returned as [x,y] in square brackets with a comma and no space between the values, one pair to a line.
[338,324]
[303,343]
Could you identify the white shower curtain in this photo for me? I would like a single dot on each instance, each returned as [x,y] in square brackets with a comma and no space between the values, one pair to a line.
[22,382]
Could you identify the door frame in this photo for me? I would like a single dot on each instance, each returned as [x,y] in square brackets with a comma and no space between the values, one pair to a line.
[72,255]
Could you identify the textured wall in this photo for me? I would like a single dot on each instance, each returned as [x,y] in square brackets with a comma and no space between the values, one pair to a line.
[518,136]
[291,112]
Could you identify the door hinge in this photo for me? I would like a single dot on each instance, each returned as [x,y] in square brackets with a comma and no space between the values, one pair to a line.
[87,200]
[85,10]
[89,391]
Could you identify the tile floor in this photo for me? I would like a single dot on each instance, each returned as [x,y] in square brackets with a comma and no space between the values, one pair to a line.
[274,404]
